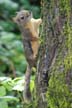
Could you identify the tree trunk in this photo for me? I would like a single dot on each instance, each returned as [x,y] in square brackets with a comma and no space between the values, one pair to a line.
[54,67]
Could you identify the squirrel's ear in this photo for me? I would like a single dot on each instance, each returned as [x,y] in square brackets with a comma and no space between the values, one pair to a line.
[15,19]
[17,12]
[30,12]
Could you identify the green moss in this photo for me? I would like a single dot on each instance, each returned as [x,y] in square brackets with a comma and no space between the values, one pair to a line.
[59,95]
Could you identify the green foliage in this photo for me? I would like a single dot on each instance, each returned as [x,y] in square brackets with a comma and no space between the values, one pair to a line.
[11,92]
[13,49]
[6,95]
[58,94]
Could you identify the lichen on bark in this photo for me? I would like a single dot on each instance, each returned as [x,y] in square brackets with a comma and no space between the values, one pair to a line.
[60,84]
[55,55]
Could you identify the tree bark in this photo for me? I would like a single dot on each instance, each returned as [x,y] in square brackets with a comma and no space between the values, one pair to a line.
[55,52]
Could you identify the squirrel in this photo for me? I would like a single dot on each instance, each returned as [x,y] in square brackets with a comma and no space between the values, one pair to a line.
[25,17]
[29,28]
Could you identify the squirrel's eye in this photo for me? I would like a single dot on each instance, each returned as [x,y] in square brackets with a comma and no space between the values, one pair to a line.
[27,15]
[22,17]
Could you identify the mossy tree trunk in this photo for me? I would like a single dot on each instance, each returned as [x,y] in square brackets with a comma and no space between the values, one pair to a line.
[54,67]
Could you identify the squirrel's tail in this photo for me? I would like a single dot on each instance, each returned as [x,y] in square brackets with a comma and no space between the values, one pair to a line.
[26,92]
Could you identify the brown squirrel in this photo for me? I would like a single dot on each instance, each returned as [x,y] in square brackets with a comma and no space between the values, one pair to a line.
[25,17]
[29,28]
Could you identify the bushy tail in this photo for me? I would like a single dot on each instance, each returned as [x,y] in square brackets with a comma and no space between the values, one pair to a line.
[26,92]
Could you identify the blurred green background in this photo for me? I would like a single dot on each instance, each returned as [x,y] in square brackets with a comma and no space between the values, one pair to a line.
[12,59]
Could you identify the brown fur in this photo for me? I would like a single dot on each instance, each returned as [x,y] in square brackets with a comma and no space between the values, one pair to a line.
[33,25]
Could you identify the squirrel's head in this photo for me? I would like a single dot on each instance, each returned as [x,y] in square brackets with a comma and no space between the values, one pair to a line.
[23,17]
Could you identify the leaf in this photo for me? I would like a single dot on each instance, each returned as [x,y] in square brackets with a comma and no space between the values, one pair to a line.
[19,86]
[7,83]
[5,79]
[8,4]
[2,91]
[9,98]
[32,85]
[3,104]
